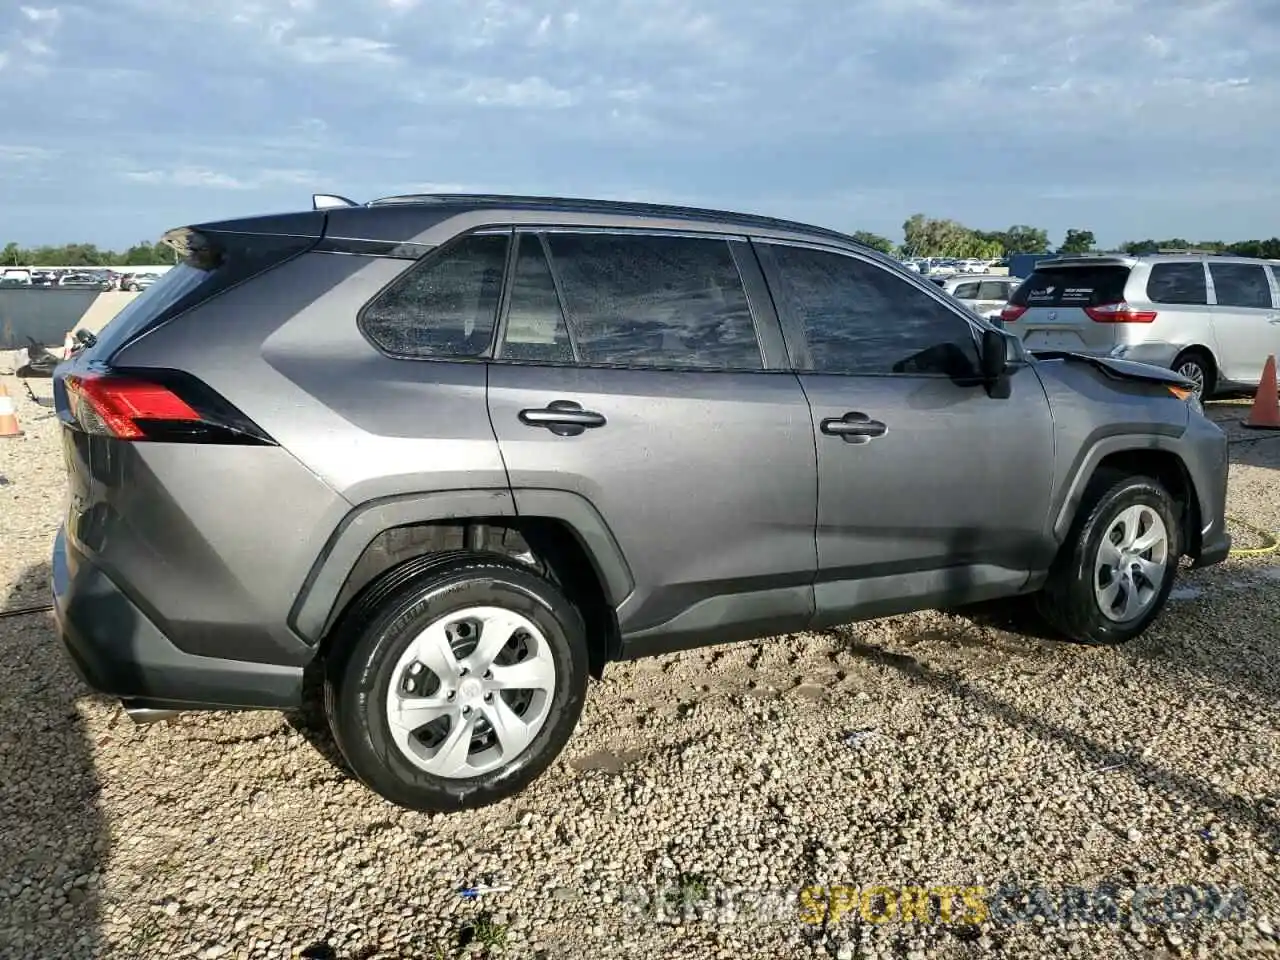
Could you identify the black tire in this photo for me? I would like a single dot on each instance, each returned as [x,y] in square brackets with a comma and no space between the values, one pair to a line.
[383,624]
[1198,359]
[1067,601]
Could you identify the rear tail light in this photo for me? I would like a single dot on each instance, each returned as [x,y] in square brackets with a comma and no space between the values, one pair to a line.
[156,405]
[1119,313]
[1011,312]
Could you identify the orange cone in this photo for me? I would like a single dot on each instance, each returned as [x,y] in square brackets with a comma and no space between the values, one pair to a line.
[8,415]
[1265,412]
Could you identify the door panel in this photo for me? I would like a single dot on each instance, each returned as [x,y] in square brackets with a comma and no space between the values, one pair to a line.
[929,489]
[706,477]
[1242,320]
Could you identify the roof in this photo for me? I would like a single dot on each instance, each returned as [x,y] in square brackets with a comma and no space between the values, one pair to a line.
[614,207]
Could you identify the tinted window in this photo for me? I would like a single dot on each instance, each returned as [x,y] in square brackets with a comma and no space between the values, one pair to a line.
[967,291]
[1241,285]
[535,322]
[1177,283]
[860,319]
[1072,287]
[445,306]
[654,301]
[993,290]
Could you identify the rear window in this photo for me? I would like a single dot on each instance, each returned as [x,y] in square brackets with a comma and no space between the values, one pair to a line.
[193,281]
[1072,287]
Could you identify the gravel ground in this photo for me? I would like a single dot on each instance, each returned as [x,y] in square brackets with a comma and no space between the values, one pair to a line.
[927,750]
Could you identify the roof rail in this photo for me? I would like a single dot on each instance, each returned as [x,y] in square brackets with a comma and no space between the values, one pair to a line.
[595,206]
[328,201]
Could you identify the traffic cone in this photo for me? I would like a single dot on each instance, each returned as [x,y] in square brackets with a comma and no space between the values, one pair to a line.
[1265,412]
[8,415]
[68,346]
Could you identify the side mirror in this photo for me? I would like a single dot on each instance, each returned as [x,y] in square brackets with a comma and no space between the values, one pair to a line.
[1002,356]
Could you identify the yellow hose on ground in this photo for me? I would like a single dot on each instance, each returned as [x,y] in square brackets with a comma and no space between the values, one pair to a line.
[1273,543]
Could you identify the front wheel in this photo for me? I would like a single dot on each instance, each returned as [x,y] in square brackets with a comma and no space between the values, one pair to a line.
[1116,570]
[459,688]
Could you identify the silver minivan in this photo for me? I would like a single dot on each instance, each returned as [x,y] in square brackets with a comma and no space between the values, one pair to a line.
[1213,319]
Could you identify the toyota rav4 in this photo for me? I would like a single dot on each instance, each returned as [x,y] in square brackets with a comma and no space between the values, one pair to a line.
[452,455]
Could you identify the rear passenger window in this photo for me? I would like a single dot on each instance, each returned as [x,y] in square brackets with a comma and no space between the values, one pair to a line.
[967,291]
[860,319]
[1177,283]
[445,307]
[993,290]
[535,321]
[649,301]
[1241,285]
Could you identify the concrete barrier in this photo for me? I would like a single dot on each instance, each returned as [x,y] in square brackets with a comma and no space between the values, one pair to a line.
[103,309]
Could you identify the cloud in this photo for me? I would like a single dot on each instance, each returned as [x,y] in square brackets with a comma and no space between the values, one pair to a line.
[854,114]
[11,153]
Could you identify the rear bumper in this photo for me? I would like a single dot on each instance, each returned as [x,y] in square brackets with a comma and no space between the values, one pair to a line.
[118,651]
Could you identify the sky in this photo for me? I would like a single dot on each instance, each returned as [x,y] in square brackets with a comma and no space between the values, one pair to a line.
[1147,118]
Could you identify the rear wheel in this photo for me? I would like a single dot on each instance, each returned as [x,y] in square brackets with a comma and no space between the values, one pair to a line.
[460,687]
[1115,571]
[1197,367]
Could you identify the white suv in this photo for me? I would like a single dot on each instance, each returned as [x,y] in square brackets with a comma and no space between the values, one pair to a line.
[985,295]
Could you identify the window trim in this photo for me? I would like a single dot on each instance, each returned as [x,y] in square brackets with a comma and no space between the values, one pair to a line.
[767,364]
[793,327]
[425,263]
[1212,286]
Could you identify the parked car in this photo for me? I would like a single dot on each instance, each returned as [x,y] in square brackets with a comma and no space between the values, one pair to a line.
[457,453]
[1213,319]
[985,295]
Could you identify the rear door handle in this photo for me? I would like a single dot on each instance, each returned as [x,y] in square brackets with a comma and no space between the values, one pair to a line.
[854,427]
[564,418]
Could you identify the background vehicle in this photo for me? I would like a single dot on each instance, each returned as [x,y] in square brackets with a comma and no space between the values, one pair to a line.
[1213,319]
[458,453]
[985,295]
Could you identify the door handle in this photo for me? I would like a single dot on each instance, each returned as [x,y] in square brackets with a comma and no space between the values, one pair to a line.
[854,427]
[564,418]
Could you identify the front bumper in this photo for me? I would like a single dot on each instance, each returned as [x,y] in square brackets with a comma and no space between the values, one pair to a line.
[118,651]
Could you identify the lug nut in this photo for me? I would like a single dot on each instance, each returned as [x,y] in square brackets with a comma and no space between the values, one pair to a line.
[488,698]
[488,674]
[465,711]
[451,695]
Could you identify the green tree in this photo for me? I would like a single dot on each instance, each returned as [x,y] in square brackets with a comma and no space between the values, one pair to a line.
[874,240]
[1021,238]
[1077,241]
[13,255]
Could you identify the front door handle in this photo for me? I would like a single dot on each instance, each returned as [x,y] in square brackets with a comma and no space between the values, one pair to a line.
[854,427]
[564,418]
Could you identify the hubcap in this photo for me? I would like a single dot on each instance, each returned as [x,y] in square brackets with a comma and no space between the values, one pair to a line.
[1131,564]
[1193,372]
[470,692]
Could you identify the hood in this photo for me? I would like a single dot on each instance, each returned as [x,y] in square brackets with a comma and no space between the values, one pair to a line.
[1120,369]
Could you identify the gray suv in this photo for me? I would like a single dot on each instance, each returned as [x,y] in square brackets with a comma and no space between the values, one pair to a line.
[449,456]
[1213,319]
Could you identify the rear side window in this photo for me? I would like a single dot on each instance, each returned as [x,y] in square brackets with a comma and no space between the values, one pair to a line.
[1178,283]
[993,290]
[444,307]
[645,301]
[536,329]
[967,291]
[227,260]
[1072,287]
[1241,285]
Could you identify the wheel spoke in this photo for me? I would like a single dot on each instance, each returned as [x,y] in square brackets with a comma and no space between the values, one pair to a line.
[1108,554]
[432,649]
[1132,601]
[1129,522]
[1154,537]
[413,713]
[1152,571]
[535,673]
[1109,594]
[512,732]
[450,758]
[496,630]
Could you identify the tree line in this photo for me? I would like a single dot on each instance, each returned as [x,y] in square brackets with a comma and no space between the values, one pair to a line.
[922,237]
[142,254]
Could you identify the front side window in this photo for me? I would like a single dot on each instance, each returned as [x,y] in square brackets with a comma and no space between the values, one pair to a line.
[652,301]
[444,307]
[1241,285]
[859,319]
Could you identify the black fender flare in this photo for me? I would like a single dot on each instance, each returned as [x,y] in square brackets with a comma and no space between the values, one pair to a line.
[314,610]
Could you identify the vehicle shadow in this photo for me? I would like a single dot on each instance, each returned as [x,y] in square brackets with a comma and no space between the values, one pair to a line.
[53,836]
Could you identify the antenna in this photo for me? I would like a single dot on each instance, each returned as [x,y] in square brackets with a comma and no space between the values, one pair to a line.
[328,201]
